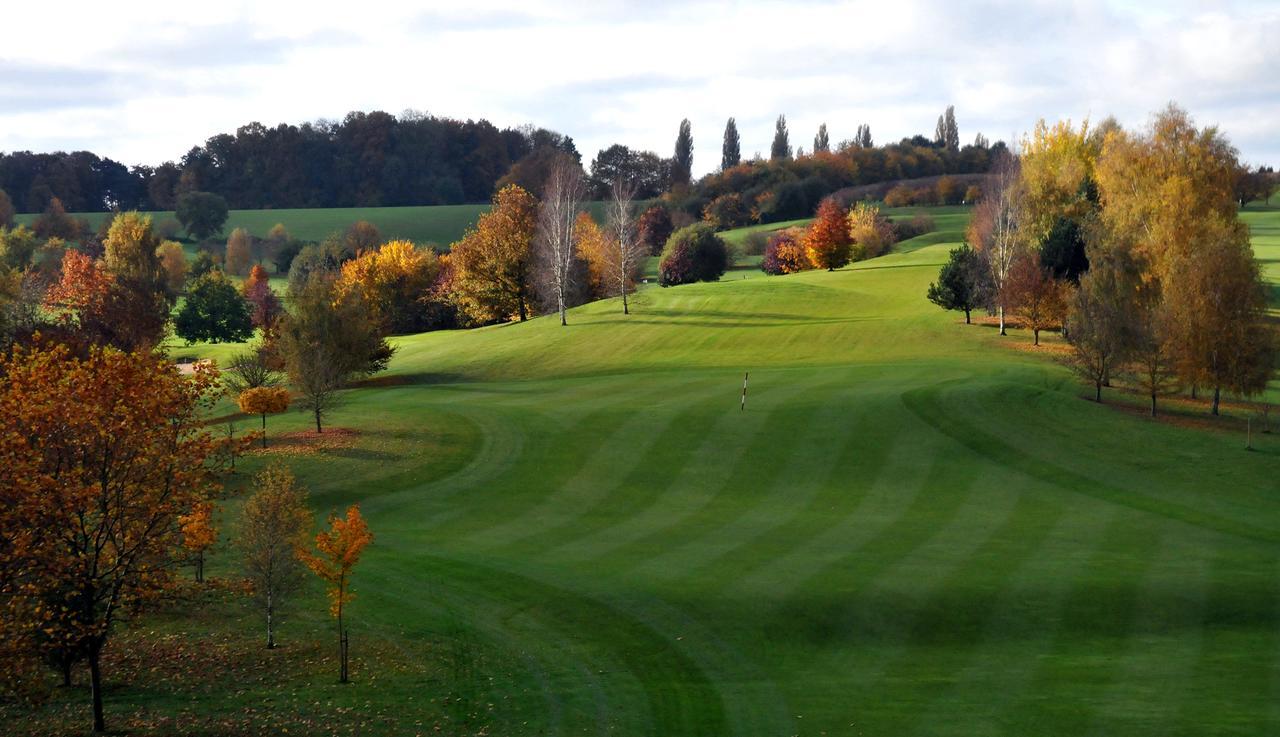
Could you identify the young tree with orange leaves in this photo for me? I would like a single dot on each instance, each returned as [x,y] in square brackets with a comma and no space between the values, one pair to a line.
[492,262]
[264,400]
[198,533]
[101,456]
[272,536]
[338,552]
[827,240]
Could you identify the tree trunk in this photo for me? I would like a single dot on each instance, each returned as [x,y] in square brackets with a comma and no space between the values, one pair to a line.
[271,633]
[342,635]
[264,429]
[966,317]
[200,567]
[1153,404]
[1001,311]
[95,687]
[1097,391]
[66,671]
[524,314]
[1217,395]
[318,428]
[1036,333]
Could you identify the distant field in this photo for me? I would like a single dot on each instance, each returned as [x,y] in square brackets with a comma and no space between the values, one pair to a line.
[437,224]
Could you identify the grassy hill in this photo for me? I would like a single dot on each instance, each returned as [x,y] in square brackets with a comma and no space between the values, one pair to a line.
[913,528]
[437,224]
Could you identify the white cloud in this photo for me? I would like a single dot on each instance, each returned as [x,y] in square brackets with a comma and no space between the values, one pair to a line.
[144,83]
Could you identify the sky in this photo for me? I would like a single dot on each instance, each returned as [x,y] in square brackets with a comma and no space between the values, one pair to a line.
[143,82]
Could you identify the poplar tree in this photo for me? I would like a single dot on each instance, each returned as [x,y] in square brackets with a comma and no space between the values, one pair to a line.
[781,149]
[682,163]
[731,152]
[821,142]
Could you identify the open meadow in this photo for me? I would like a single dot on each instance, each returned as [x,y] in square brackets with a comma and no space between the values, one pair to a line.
[914,527]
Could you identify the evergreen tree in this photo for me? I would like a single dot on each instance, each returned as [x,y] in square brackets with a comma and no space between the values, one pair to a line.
[781,149]
[821,142]
[731,153]
[950,133]
[682,163]
[214,312]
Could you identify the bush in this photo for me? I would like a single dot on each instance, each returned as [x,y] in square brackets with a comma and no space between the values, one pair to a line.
[785,254]
[693,254]
[727,211]
[871,232]
[916,226]
[755,243]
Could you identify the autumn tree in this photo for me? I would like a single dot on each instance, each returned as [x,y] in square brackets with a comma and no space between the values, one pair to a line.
[273,533]
[1101,316]
[996,229]
[140,298]
[1039,300]
[827,240]
[1151,350]
[624,257]
[263,400]
[7,210]
[173,260]
[214,312]
[250,370]
[54,222]
[239,254]
[18,247]
[198,534]
[731,151]
[693,254]
[870,233]
[961,283]
[555,243]
[1058,171]
[338,550]
[491,264]
[785,253]
[361,236]
[682,162]
[326,340]
[392,280]
[263,303]
[780,150]
[654,228]
[202,214]
[101,457]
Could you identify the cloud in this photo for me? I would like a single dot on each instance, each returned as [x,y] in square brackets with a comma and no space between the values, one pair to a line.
[147,87]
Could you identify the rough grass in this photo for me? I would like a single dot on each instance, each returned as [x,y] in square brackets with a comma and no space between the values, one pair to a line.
[908,531]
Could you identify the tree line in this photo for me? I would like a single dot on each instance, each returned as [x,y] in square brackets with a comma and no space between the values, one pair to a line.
[1131,244]
[365,159]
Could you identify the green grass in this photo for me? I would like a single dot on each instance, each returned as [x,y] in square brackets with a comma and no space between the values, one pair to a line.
[439,225]
[910,530]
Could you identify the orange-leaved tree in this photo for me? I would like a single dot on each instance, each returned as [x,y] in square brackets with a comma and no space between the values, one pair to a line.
[263,301]
[338,551]
[101,455]
[827,240]
[264,400]
[492,277]
[198,533]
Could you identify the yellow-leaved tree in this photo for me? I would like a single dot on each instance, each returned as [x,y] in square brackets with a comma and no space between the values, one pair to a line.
[272,537]
[394,281]
[492,278]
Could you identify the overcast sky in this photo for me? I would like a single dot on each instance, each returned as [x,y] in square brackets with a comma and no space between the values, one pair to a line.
[142,82]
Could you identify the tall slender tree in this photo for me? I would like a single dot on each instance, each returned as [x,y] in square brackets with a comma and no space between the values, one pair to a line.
[821,142]
[273,531]
[950,132]
[556,246]
[624,243]
[781,148]
[682,163]
[731,152]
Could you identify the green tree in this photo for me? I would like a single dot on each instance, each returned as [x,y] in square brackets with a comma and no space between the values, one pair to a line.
[682,163]
[202,214]
[961,283]
[7,210]
[731,152]
[693,254]
[822,142]
[214,312]
[781,148]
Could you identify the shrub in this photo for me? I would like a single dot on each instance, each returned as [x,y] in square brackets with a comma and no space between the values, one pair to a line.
[871,232]
[899,196]
[727,211]
[916,226]
[755,243]
[694,253]
[785,254]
